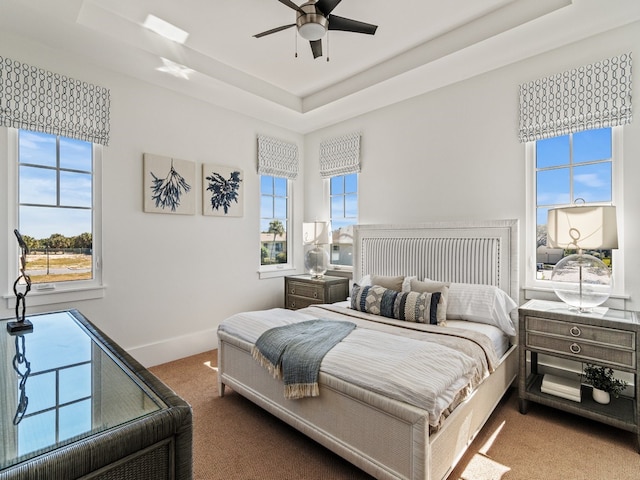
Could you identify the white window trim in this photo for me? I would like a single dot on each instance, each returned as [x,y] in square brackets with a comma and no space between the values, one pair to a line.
[327,204]
[537,289]
[59,292]
[280,269]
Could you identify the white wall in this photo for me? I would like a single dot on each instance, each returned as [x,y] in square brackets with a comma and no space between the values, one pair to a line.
[453,154]
[170,279]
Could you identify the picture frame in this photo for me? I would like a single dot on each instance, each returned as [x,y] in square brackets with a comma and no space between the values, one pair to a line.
[169,185]
[222,191]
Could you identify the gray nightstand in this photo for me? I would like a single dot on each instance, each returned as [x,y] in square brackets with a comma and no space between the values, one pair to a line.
[303,290]
[611,340]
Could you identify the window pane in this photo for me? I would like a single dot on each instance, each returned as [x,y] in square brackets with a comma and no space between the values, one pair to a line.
[75,189]
[37,148]
[593,182]
[42,222]
[36,432]
[75,383]
[38,185]
[266,185]
[75,419]
[266,207]
[337,208]
[553,187]
[592,145]
[75,154]
[280,186]
[280,205]
[351,183]
[351,206]
[552,152]
[337,185]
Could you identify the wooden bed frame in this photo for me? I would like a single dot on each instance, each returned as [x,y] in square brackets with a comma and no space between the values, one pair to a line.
[386,438]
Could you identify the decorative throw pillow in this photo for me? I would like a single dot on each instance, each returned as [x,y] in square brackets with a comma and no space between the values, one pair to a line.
[410,306]
[392,283]
[433,287]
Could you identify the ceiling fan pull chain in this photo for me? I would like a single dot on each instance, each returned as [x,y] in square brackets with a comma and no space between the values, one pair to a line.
[327,46]
[295,33]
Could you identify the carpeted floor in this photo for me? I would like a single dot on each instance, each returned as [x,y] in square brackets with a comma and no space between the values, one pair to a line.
[234,439]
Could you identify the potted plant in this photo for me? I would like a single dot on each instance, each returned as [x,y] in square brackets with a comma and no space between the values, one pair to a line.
[603,382]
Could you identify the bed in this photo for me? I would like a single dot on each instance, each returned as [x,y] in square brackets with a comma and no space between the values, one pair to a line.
[385,435]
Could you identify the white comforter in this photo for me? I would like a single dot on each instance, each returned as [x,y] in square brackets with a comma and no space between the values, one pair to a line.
[430,367]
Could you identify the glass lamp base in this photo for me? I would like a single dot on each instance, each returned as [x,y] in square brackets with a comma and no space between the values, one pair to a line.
[316,261]
[582,281]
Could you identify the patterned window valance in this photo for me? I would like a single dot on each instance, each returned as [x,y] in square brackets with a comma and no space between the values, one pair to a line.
[35,99]
[277,158]
[592,96]
[340,156]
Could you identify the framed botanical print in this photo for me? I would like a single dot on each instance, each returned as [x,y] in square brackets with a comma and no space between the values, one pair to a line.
[169,185]
[222,191]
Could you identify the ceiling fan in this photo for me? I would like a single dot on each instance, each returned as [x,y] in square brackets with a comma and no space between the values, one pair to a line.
[313,20]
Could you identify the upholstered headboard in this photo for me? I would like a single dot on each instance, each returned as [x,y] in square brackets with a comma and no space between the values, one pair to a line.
[483,252]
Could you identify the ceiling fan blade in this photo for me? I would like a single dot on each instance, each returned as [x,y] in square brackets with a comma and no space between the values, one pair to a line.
[348,25]
[327,6]
[274,30]
[316,48]
[290,4]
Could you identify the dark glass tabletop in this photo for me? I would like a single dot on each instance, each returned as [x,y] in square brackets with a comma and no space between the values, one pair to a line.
[58,385]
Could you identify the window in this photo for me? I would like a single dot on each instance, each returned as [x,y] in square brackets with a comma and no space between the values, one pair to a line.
[569,169]
[58,212]
[344,215]
[274,221]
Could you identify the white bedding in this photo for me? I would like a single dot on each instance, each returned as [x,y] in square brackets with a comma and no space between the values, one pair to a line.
[395,362]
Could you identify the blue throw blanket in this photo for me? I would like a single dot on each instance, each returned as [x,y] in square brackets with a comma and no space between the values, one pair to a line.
[294,353]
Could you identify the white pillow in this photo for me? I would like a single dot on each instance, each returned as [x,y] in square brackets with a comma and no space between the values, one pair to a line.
[482,304]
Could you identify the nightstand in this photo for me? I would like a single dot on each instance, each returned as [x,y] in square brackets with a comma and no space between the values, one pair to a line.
[611,339]
[303,290]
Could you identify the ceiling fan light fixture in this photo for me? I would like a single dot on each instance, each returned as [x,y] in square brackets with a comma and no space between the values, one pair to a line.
[312,26]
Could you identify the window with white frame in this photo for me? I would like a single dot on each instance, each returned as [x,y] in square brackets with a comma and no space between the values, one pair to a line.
[57,206]
[343,195]
[274,220]
[571,169]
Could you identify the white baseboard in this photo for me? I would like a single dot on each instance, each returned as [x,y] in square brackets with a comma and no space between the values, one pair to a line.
[175,348]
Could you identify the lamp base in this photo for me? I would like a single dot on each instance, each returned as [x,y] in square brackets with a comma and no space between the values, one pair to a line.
[582,281]
[316,261]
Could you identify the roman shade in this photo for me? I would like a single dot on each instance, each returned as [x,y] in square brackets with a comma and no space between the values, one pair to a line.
[35,99]
[588,97]
[277,158]
[340,155]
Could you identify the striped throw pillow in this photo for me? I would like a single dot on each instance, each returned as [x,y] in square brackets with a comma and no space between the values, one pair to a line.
[420,307]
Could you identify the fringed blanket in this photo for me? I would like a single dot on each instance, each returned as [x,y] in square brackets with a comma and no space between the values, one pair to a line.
[294,353]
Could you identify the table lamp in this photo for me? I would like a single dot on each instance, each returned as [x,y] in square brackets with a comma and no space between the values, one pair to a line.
[581,280]
[316,259]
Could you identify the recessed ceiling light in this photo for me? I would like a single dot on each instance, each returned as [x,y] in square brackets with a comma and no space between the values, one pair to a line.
[175,69]
[165,29]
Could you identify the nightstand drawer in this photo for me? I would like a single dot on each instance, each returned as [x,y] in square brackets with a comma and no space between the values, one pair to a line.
[577,331]
[295,302]
[581,350]
[310,291]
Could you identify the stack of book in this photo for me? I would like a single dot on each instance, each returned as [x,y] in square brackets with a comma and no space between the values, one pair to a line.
[561,387]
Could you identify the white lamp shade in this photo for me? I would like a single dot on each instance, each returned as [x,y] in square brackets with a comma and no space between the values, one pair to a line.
[317,233]
[583,227]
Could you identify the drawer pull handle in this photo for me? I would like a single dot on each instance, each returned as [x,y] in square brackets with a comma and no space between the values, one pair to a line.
[315,294]
[293,291]
[293,304]
[575,348]
[575,331]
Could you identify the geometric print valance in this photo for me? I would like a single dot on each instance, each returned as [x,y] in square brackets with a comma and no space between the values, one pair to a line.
[42,101]
[340,155]
[277,158]
[592,96]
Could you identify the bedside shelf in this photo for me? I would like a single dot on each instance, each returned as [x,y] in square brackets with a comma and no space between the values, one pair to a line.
[611,339]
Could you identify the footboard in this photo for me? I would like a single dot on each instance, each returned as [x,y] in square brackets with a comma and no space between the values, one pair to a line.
[385,438]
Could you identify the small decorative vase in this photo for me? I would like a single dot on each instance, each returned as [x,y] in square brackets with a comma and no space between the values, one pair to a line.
[601,396]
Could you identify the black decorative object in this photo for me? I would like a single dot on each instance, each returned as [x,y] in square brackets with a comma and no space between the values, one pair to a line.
[20,358]
[21,324]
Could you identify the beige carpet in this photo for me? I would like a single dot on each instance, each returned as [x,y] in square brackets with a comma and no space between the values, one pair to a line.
[234,439]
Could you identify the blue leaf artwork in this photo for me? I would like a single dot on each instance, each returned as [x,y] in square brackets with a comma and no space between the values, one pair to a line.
[169,192]
[224,184]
